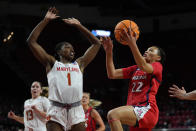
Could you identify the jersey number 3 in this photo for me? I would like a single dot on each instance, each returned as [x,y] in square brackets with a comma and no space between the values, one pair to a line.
[29,114]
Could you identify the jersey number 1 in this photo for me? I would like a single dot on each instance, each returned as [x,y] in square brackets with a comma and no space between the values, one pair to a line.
[69,79]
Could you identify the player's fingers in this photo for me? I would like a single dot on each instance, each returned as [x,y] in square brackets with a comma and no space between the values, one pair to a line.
[171,95]
[129,30]
[105,38]
[183,88]
[175,87]
[53,10]
[172,89]
[135,34]
[125,32]
[101,39]
[67,21]
[123,35]
[109,38]
[50,9]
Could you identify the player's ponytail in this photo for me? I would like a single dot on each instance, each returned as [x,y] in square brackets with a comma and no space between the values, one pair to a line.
[162,54]
[44,91]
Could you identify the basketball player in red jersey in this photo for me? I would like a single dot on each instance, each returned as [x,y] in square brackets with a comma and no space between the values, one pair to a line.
[91,115]
[65,78]
[141,112]
[175,91]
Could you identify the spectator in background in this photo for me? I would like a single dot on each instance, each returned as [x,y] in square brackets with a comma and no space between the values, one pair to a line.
[91,115]
[181,94]
[34,110]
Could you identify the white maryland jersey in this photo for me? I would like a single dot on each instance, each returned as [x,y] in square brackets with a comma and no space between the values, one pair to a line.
[65,82]
[33,120]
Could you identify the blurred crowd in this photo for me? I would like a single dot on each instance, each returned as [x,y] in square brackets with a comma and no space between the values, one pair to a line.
[173,114]
[177,114]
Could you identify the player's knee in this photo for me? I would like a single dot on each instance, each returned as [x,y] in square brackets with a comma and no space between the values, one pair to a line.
[112,114]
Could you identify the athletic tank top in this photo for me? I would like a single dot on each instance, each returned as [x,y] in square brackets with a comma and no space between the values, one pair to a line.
[65,83]
[91,124]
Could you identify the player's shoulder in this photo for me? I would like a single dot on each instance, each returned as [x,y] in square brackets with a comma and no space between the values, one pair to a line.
[156,64]
[94,113]
[27,101]
[43,98]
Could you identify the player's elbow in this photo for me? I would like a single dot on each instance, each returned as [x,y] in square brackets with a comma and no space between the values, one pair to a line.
[30,41]
[111,76]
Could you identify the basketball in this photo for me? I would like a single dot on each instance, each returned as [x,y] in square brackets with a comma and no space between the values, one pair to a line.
[126,24]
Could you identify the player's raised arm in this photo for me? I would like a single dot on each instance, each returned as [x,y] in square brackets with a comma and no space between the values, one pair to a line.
[91,52]
[37,50]
[111,71]
[139,59]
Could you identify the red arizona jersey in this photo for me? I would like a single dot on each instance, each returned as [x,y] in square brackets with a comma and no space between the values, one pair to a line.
[91,124]
[143,87]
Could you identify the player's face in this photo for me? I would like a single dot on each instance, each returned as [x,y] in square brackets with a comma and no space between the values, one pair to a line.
[85,99]
[67,51]
[35,89]
[151,54]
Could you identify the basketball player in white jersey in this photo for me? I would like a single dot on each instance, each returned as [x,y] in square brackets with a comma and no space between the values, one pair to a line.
[34,110]
[65,78]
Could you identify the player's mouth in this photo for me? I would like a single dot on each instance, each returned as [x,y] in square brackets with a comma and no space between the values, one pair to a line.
[144,55]
[34,92]
[72,54]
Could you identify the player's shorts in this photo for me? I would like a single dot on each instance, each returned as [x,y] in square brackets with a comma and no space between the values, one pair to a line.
[36,129]
[66,118]
[139,129]
[147,116]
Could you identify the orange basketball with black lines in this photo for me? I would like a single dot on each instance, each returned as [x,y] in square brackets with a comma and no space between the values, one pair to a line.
[126,24]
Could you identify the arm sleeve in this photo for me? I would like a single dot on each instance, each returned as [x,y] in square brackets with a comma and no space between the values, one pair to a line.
[128,72]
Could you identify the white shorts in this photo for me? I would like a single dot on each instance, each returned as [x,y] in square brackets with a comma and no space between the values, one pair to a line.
[58,114]
[140,111]
[36,129]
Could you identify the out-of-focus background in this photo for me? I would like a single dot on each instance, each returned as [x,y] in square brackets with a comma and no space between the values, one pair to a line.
[170,24]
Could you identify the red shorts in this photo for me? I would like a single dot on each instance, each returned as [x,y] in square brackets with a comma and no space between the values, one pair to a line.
[139,129]
[147,116]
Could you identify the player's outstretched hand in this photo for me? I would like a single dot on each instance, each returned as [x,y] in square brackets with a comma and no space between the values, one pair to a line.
[72,21]
[107,43]
[175,91]
[130,36]
[51,13]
